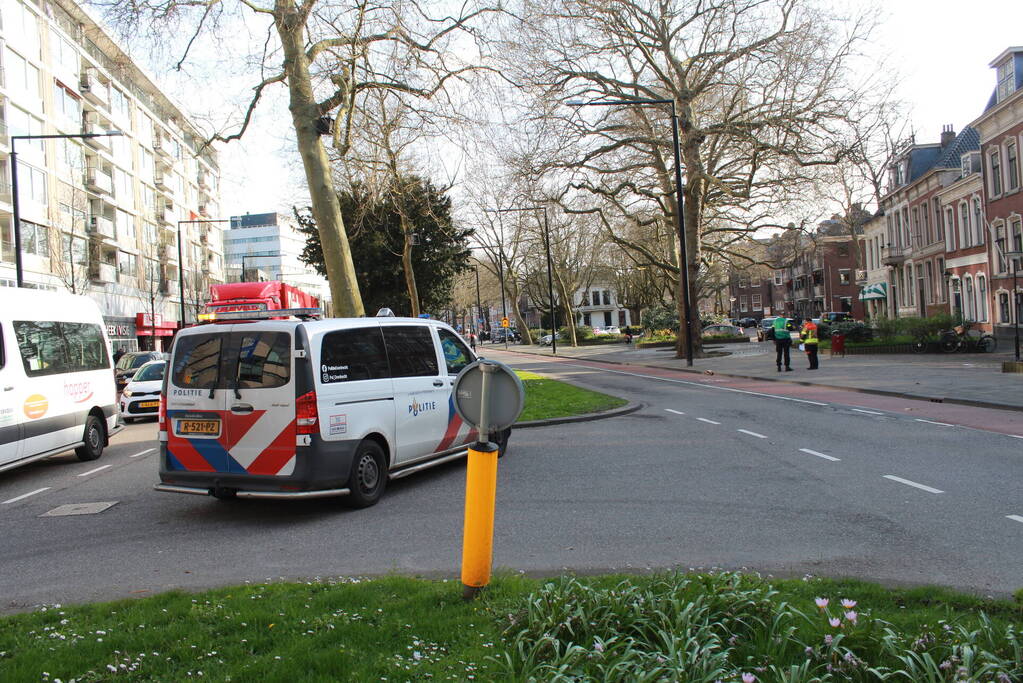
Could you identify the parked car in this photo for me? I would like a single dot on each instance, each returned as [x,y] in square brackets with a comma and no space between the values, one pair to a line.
[718,330]
[130,363]
[765,324]
[836,317]
[498,335]
[747,322]
[141,396]
[546,339]
[612,329]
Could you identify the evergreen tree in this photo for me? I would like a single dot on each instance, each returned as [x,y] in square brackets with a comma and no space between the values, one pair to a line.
[375,233]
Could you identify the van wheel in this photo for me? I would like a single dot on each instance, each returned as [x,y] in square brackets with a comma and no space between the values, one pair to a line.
[93,438]
[369,475]
[501,440]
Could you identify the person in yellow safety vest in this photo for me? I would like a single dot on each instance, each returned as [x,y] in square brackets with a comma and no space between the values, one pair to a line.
[808,335]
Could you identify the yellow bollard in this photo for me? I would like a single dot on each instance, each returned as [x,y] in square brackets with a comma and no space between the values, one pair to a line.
[478,532]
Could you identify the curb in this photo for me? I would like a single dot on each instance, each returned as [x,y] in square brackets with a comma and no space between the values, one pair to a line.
[859,390]
[585,417]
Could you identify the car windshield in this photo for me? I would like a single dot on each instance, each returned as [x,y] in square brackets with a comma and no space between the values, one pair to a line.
[150,373]
[139,361]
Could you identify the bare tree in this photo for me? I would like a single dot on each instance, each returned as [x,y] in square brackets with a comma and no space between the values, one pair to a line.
[329,54]
[762,93]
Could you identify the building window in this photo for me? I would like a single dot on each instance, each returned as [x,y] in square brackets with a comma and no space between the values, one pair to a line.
[970,297]
[929,281]
[126,264]
[1003,308]
[941,274]
[66,104]
[1013,165]
[950,230]
[965,237]
[777,278]
[843,277]
[743,303]
[1017,236]
[982,298]
[996,173]
[74,249]
[1001,265]
[978,222]
[757,303]
[35,239]
[1006,78]
[939,232]
[586,319]
[32,183]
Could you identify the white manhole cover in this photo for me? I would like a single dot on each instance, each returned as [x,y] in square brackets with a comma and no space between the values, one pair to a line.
[78,509]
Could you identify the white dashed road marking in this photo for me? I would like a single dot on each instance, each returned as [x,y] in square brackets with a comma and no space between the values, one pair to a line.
[746,431]
[677,412]
[26,495]
[932,422]
[148,450]
[711,422]
[868,412]
[101,467]
[699,384]
[1015,518]
[820,455]
[907,482]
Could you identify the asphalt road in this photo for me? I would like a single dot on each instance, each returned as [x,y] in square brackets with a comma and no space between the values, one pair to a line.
[786,480]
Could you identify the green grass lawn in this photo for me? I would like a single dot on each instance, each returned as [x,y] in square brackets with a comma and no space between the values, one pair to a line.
[546,398]
[614,628]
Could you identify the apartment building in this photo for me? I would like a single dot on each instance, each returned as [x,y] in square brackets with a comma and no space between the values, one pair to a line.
[270,245]
[101,215]
[1001,139]
[598,306]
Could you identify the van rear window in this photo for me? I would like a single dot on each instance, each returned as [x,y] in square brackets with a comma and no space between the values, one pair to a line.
[352,355]
[264,360]
[197,361]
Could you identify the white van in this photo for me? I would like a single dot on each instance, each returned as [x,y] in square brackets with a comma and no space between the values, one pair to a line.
[263,408]
[56,378]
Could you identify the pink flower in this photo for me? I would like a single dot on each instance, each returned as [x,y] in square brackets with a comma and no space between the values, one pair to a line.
[835,622]
[848,604]
[828,639]
[598,646]
[748,678]
[821,602]
[851,616]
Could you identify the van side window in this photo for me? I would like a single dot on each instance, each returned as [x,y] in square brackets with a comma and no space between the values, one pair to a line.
[197,361]
[456,355]
[43,351]
[264,360]
[353,355]
[410,350]
[85,346]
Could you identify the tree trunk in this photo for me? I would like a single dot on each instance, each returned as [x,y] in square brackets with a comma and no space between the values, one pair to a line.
[406,264]
[568,313]
[337,254]
[692,194]
[512,290]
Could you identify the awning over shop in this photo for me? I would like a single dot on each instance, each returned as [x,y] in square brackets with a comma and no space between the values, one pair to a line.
[878,290]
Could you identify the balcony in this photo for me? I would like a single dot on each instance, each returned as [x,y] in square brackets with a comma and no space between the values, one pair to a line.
[161,180]
[5,138]
[162,147]
[101,226]
[203,180]
[169,253]
[894,256]
[103,272]
[97,180]
[94,90]
[162,214]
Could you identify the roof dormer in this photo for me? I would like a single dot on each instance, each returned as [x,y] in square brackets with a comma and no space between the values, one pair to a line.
[1008,68]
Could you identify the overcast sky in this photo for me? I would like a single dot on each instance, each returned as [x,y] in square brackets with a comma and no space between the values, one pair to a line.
[940,49]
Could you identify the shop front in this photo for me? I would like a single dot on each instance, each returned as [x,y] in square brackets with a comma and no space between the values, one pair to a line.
[154,332]
[122,334]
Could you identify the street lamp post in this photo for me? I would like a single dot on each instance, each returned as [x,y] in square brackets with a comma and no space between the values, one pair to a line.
[479,306]
[181,261]
[500,277]
[18,272]
[550,269]
[683,266]
[1013,255]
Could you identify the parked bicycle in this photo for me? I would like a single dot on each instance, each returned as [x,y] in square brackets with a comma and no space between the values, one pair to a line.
[959,339]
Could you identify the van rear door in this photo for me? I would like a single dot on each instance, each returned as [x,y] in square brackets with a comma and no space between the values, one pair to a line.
[196,401]
[260,414]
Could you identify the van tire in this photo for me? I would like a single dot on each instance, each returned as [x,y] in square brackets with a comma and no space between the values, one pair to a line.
[93,437]
[368,478]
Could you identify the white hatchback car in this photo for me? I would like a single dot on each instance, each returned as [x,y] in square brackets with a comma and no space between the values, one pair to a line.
[141,397]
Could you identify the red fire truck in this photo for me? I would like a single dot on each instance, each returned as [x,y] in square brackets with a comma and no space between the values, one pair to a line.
[257,296]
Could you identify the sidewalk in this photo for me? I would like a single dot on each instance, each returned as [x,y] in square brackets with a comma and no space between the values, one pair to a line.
[966,378]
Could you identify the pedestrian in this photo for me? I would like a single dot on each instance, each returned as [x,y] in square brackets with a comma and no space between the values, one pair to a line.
[782,342]
[628,334]
[118,353]
[472,341]
[808,335]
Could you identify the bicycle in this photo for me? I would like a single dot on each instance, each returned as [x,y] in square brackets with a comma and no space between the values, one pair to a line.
[959,339]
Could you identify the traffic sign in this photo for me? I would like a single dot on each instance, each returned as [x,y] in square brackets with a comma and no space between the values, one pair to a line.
[504,322]
[491,407]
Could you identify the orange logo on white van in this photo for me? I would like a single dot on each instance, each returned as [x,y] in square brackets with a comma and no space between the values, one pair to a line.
[36,406]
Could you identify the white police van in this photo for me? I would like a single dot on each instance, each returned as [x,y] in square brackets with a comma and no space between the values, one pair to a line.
[56,377]
[306,408]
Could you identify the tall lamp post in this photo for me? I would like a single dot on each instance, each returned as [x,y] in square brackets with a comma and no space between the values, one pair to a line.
[550,268]
[18,272]
[683,265]
[1013,256]
[479,305]
[500,276]
[181,262]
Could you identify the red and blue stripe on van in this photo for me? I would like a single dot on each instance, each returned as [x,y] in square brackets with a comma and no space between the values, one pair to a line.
[455,425]
[206,454]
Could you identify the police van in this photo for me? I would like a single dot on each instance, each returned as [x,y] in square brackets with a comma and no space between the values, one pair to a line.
[308,408]
[56,377]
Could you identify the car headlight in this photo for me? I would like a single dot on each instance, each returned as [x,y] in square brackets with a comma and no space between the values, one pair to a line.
[127,393]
